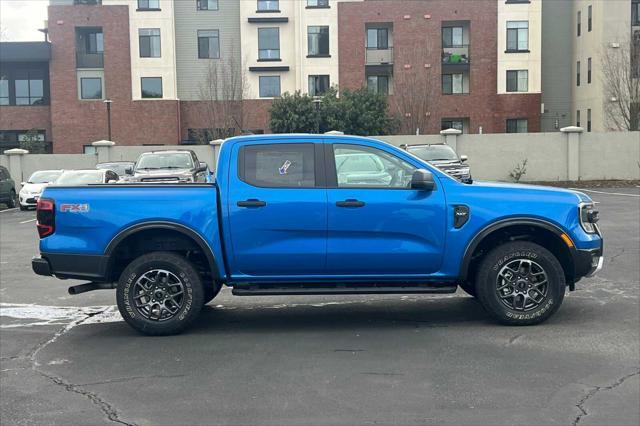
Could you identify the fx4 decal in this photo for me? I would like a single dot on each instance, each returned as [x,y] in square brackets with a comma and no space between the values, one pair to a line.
[74,208]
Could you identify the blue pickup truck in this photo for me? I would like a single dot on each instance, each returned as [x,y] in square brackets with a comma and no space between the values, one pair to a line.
[318,214]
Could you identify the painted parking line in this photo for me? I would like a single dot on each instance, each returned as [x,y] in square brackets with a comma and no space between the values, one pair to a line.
[606,193]
[8,210]
[27,221]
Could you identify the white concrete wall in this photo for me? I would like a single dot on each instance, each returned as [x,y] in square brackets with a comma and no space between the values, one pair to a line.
[613,155]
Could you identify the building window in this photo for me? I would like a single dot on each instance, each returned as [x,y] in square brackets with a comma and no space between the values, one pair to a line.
[377,38]
[317,3]
[29,88]
[452,37]
[590,18]
[589,71]
[579,23]
[589,120]
[269,86]
[517,36]
[149,39]
[268,5]
[378,84]
[452,123]
[517,125]
[208,44]
[578,118]
[452,84]
[207,4]
[87,2]
[95,42]
[578,73]
[10,139]
[269,43]
[318,41]
[4,91]
[318,84]
[90,88]
[148,4]
[151,87]
[635,12]
[518,81]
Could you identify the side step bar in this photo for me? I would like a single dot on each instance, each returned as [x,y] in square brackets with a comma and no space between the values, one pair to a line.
[276,289]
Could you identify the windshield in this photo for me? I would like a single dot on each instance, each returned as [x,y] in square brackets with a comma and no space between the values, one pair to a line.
[174,160]
[45,176]
[119,168]
[433,152]
[83,177]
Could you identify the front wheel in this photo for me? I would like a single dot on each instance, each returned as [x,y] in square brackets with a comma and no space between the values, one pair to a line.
[160,293]
[520,283]
[13,199]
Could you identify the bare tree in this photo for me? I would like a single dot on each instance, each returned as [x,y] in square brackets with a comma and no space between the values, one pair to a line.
[222,92]
[621,81]
[415,90]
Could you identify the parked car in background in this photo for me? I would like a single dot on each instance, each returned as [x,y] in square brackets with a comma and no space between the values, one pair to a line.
[443,157]
[86,177]
[7,188]
[121,168]
[169,166]
[32,188]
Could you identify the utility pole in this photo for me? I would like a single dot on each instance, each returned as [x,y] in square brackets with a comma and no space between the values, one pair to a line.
[108,102]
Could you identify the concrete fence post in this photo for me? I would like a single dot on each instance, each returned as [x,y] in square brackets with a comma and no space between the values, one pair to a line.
[572,134]
[102,149]
[451,137]
[15,163]
[215,144]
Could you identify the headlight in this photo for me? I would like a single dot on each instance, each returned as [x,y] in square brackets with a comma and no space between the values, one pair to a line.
[465,170]
[589,216]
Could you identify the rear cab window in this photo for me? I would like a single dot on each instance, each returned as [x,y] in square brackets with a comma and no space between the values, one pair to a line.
[287,165]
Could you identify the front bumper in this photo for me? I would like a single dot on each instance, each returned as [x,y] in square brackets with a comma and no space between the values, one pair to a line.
[29,200]
[588,262]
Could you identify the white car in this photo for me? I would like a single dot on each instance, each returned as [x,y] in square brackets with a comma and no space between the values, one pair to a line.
[33,187]
[86,177]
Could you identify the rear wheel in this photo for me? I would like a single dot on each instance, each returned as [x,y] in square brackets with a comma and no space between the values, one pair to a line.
[13,199]
[520,283]
[160,293]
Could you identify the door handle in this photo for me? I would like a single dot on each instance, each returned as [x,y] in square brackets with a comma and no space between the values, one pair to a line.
[350,203]
[252,202]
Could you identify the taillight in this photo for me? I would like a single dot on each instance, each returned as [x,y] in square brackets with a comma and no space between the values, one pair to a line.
[46,215]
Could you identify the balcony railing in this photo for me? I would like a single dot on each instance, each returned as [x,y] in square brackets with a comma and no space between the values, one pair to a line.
[456,55]
[376,56]
[89,60]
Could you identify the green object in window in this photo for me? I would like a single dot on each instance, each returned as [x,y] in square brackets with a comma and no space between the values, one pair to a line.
[454,58]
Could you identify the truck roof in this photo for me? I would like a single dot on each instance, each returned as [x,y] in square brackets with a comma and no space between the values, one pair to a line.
[281,136]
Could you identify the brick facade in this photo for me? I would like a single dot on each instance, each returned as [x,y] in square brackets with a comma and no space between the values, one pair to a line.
[417,55]
[79,122]
[26,118]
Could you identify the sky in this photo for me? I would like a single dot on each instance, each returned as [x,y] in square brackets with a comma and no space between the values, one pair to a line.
[21,19]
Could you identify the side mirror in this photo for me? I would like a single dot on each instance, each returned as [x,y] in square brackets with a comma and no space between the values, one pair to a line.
[463,158]
[422,180]
[202,167]
[128,170]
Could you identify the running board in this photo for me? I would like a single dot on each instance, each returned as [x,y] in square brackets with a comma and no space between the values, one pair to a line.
[277,289]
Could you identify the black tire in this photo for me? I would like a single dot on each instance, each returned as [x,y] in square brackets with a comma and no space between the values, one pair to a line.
[469,288]
[211,290]
[503,297]
[140,281]
[11,202]
[23,208]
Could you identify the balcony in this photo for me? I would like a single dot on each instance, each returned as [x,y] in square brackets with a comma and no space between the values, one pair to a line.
[456,57]
[377,56]
[89,60]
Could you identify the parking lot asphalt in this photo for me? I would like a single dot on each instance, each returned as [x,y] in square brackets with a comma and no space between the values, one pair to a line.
[324,360]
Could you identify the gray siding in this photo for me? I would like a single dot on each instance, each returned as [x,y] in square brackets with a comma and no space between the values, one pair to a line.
[192,72]
[558,30]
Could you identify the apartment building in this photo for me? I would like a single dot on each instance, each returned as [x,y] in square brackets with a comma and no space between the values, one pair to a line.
[603,31]
[194,70]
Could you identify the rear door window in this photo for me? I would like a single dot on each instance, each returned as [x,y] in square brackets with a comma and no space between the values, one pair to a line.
[289,165]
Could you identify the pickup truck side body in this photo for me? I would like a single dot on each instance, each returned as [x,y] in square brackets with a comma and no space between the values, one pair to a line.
[320,233]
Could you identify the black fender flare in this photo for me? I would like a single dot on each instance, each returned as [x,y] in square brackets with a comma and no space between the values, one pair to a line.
[145,226]
[504,223]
